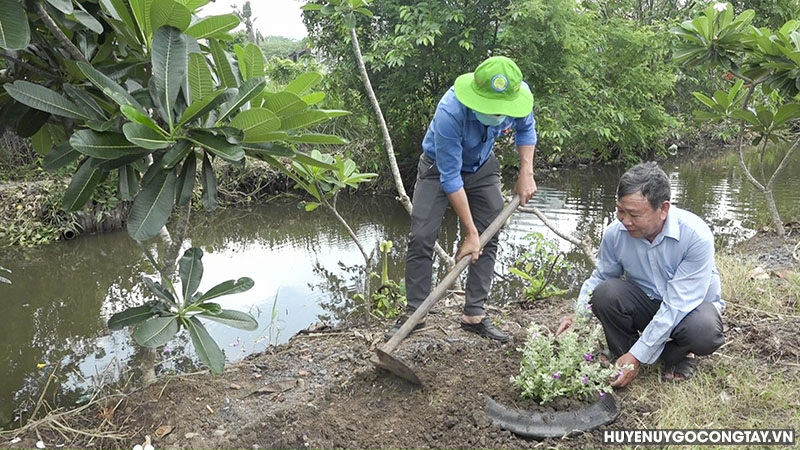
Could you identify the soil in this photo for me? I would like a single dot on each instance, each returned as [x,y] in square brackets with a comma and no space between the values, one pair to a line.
[320,390]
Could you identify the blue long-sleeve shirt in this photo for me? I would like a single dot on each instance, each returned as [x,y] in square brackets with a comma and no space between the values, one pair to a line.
[458,142]
[677,269]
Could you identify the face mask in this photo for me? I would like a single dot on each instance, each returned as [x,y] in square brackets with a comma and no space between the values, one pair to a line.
[489,120]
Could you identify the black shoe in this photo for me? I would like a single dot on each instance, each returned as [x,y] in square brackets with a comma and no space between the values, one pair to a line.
[399,323]
[486,329]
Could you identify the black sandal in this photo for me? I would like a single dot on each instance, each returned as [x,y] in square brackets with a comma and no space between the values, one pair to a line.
[685,368]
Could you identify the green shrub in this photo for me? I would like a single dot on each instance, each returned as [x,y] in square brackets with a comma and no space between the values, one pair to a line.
[539,265]
[565,366]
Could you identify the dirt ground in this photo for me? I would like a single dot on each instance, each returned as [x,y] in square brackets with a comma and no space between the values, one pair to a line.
[320,390]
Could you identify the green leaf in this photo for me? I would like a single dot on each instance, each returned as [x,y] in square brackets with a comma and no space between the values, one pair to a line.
[186,180]
[747,116]
[227,288]
[255,122]
[144,137]
[84,101]
[239,51]
[236,319]
[365,12]
[169,13]
[254,62]
[304,83]
[61,156]
[153,205]
[130,316]
[128,182]
[136,116]
[317,139]
[207,350]
[350,20]
[705,99]
[764,117]
[156,331]
[209,26]
[87,20]
[209,178]
[65,6]
[314,98]
[141,12]
[311,7]
[212,308]
[113,90]
[159,291]
[176,154]
[259,149]
[15,34]
[201,107]
[170,62]
[247,91]
[284,103]
[222,64]
[48,137]
[201,83]
[311,161]
[787,112]
[104,145]
[43,99]
[217,145]
[82,186]
[194,4]
[303,120]
[311,206]
[119,11]
[190,271]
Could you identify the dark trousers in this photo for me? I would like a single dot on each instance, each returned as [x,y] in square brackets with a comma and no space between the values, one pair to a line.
[429,205]
[625,310]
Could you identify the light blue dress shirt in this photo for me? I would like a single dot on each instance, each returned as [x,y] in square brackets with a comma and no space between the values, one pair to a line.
[677,269]
[458,142]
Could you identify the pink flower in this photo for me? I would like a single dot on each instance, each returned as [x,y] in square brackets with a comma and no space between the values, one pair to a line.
[557,375]
[602,394]
[584,380]
[588,356]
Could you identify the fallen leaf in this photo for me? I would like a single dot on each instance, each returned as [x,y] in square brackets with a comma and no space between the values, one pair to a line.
[235,386]
[163,430]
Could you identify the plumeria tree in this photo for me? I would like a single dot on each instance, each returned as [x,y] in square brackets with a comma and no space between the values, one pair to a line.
[763,66]
[144,91]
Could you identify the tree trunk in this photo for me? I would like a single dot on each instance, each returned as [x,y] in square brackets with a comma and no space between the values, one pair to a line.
[387,140]
[773,213]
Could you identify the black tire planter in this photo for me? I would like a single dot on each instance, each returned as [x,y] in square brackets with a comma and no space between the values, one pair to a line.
[540,425]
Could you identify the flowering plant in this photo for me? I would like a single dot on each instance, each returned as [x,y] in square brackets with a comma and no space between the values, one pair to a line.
[565,366]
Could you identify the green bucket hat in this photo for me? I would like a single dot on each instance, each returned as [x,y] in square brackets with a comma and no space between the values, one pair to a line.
[495,88]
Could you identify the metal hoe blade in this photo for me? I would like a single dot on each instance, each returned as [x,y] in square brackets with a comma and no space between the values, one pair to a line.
[388,362]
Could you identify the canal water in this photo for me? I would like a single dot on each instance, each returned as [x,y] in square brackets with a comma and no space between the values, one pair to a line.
[305,269]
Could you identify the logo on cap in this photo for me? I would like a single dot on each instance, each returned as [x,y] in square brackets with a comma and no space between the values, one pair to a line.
[499,83]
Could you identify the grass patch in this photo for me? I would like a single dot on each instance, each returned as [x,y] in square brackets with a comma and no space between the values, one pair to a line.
[740,289]
[724,393]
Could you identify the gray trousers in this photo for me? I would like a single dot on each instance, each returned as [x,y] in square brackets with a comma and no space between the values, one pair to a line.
[429,205]
[625,310]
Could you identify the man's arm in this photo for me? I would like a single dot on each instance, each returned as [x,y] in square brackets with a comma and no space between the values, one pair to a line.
[526,184]
[472,243]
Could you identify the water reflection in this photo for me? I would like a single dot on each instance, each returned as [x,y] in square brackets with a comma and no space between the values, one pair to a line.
[305,268]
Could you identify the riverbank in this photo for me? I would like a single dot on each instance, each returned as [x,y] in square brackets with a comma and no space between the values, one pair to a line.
[321,391]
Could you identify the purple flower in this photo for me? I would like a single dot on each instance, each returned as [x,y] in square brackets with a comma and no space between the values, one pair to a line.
[584,380]
[588,356]
[534,335]
[602,394]
[557,375]
[619,373]
[589,307]
[167,350]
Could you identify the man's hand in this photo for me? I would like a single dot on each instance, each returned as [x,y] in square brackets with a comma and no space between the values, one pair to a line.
[472,244]
[526,187]
[566,322]
[628,368]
